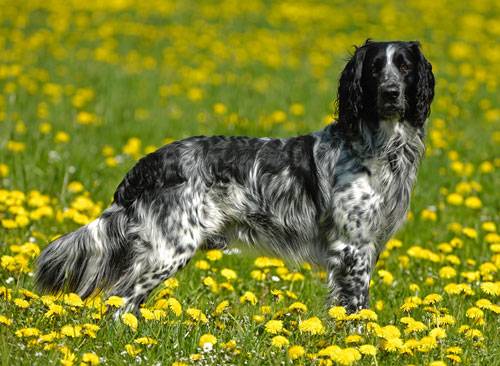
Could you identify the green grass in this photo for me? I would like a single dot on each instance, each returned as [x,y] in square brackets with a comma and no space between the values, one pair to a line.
[145,64]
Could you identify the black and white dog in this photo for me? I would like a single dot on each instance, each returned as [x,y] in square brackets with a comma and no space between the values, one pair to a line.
[333,197]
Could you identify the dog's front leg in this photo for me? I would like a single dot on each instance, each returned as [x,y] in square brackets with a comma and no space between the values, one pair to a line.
[349,271]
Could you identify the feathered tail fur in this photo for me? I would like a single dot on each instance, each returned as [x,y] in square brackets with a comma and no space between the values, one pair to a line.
[88,259]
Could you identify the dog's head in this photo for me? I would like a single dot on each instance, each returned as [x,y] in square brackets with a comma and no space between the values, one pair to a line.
[385,81]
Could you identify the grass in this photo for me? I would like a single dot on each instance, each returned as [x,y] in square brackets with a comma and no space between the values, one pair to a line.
[86,89]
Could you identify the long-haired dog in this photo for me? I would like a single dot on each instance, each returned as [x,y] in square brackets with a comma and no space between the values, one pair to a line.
[332,197]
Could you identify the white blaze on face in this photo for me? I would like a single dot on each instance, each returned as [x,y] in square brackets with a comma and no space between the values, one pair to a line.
[390,69]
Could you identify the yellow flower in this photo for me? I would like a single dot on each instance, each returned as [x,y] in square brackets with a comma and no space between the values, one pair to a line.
[455,199]
[197,315]
[274,326]
[15,146]
[491,288]
[298,307]
[146,341]
[447,272]
[473,202]
[131,350]
[55,309]
[221,307]
[90,358]
[75,187]
[115,301]
[248,296]
[437,363]
[454,358]
[61,137]
[174,305]
[72,331]
[21,303]
[312,326]
[338,313]
[229,274]
[28,332]
[368,349]
[72,299]
[474,313]
[202,264]
[469,232]
[432,299]
[439,333]
[489,226]
[68,356]
[386,276]
[219,108]
[5,321]
[263,262]
[353,338]
[279,341]
[130,320]
[132,147]
[346,356]
[295,352]
[214,255]
[428,215]
[206,339]
[4,170]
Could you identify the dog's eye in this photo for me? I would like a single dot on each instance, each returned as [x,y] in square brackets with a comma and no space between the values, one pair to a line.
[376,66]
[403,67]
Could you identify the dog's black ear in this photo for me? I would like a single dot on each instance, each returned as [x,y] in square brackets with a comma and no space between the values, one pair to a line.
[350,92]
[424,88]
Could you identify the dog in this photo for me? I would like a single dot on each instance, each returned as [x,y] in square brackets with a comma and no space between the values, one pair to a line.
[332,198]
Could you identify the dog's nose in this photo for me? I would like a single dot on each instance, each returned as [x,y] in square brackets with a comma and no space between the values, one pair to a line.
[391,93]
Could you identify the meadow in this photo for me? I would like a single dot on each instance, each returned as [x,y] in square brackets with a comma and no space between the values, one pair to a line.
[88,87]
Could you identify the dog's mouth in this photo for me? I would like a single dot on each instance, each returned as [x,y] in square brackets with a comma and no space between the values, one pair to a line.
[390,110]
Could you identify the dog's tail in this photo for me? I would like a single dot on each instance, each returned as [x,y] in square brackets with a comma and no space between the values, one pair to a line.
[88,259]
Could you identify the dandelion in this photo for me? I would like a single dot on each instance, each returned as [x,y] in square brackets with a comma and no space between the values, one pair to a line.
[21,303]
[447,272]
[5,321]
[132,350]
[337,313]
[438,333]
[474,313]
[312,326]
[491,288]
[4,170]
[197,315]
[274,326]
[229,274]
[146,341]
[207,341]
[432,299]
[279,341]
[248,296]
[368,349]
[219,309]
[61,137]
[90,358]
[295,352]
[130,320]
[72,331]
[473,202]
[214,255]
[115,301]
[298,307]
[455,199]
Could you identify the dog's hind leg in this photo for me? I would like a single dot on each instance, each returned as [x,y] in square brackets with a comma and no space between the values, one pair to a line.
[159,249]
[146,275]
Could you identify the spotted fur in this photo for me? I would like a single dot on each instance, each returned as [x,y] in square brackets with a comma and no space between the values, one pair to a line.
[333,197]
